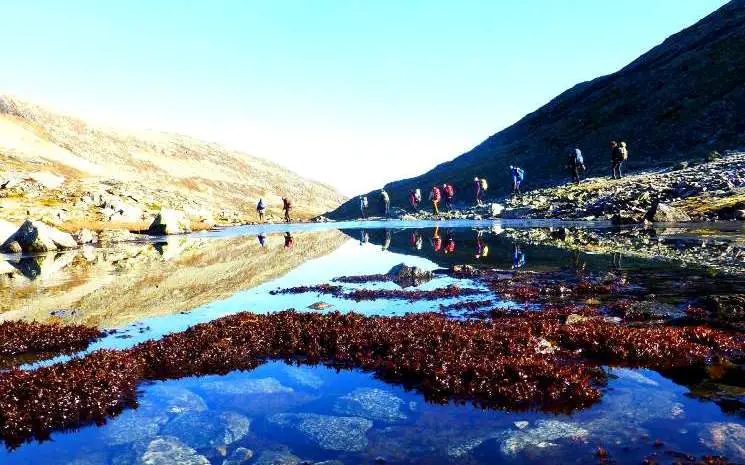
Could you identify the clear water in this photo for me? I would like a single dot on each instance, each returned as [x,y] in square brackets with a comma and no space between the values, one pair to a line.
[288,414]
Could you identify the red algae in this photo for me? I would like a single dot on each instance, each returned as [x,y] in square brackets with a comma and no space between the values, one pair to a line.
[361,279]
[358,295]
[19,337]
[502,363]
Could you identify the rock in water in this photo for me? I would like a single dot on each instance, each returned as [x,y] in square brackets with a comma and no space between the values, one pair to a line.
[409,276]
[496,209]
[664,213]
[169,221]
[327,432]
[203,430]
[177,400]
[374,404]
[35,236]
[276,457]
[740,215]
[239,456]
[169,451]
[541,436]
[726,438]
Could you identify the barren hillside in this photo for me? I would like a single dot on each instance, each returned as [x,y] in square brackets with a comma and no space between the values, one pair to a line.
[71,170]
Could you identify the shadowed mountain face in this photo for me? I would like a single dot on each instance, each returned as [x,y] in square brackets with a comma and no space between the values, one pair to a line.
[678,101]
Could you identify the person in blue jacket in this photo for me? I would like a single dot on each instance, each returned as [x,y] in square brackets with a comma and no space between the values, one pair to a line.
[518,175]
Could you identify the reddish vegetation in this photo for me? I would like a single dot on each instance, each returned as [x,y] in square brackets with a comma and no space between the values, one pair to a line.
[367,278]
[500,364]
[530,291]
[470,305]
[18,337]
[373,294]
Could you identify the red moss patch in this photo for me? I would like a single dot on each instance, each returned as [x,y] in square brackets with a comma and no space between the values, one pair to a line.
[19,337]
[362,279]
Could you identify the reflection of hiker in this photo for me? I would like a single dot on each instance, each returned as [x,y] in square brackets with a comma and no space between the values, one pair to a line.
[387,241]
[518,257]
[364,237]
[518,174]
[619,153]
[477,190]
[416,240]
[385,202]
[436,240]
[435,196]
[449,192]
[262,239]
[449,243]
[480,246]
[260,208]
[363,205]
[576,164]
[412,200]
[287,206]
[289,241]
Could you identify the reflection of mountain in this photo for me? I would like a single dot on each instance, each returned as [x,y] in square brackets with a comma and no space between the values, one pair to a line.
[114,287]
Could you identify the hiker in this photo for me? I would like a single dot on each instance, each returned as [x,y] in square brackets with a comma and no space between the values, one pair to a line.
[364,237]
[412,200]
[289,241]
[576,164]
[385,202]
[262,239]
[387,241]
[363,205]
[483,187]
[287,206]
[477,190]
[619,154]
[435,196]
[449,195]
[518,174]
[260,208]
[418,196]
[416,240]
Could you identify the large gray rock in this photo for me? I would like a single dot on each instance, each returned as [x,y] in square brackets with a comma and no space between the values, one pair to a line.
[664,213]
[327,432]
[169,221]
[35,236]
[409,276]
[374,404]
[170,451]
[202,430]
[727,439]
[133,426]
[541,436]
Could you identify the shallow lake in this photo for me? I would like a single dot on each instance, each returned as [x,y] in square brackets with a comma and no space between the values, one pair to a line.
[283,413]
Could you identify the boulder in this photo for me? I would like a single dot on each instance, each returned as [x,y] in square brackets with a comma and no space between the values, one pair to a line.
[373,404]
[496,209]
[168,451]
[111,236]
[664,213]
[35,236]
[541,436]
[327,432]
[85,236]
[277,457]
[740,215]
[409,276]
[169,221]
[239,456]
[206,429]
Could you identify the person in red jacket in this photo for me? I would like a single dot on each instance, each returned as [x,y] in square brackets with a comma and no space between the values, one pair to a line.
[449,195]
[436,196]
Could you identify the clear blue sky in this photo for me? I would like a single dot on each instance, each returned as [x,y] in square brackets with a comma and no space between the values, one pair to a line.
[352,93]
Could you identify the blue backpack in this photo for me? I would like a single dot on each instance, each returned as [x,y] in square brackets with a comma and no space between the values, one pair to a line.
[519,173]
[578,159]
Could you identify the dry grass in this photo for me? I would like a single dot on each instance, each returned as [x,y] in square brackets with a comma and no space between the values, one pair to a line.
[699,206]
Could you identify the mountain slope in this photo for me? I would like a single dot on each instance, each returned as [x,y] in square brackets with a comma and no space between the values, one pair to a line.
[680,100]
[146,169]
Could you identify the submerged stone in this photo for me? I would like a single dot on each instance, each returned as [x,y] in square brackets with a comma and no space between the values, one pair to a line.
[246,386]
[304,376]
[541,436]
[177,400]
[727,439]
[134,426]
[202,430]
[327,432]
[281,457]
[374,404]
[255,396]
[239,456]
[169,451]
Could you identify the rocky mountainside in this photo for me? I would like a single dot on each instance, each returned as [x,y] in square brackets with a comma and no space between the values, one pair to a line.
[65,169]
[677,102]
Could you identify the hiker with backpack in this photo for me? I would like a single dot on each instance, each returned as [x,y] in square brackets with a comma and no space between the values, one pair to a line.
[576,164]
[518,175]
[260,209]
[412,200]
[477,190]
[449,192]
[363,205]
[287,207]
[385,202]
[435,196]
[619,154]
[418,196]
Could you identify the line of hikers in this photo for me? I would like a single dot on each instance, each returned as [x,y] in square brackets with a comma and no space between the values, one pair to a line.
[619,153]
[286,208]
